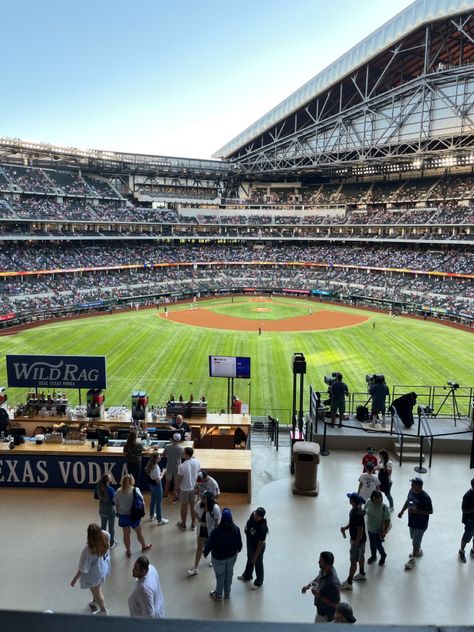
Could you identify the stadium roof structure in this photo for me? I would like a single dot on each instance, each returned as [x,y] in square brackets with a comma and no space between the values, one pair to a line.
[109,162]
[404,93]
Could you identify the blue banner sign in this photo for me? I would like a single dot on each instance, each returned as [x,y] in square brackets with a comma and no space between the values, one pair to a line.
[45,371]
[43,470]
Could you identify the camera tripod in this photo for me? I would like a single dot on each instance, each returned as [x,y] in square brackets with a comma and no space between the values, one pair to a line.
[451,394]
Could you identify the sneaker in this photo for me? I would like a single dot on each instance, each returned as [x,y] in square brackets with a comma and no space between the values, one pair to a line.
[114,544]
[93,605]
[371,559]
[410,564]
[359,577]
[227,596]
[243,578]
[181,526]
[462,557]
[162,522]
[151,518]
[419,554]
[192,572]
[213,595]
[101,613]
[382,559]
[175,501]
[346,586]
[256,586]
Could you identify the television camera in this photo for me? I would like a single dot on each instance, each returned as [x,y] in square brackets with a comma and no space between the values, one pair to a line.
[453,385]
[375,378]
[330,379]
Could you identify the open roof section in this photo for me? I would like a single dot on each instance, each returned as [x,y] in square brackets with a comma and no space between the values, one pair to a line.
[419,13]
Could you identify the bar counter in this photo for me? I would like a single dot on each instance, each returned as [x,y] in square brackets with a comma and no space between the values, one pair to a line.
[81,466]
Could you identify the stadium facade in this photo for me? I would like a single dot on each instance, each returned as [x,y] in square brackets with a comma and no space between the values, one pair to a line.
[359,187]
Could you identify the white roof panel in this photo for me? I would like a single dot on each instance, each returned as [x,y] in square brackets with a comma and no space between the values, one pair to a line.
[416,14]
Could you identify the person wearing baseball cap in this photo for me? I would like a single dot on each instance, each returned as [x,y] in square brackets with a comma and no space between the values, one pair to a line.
[256,531]
[344,613]
[224,544]
[420,508]
[205,483]
[358,538]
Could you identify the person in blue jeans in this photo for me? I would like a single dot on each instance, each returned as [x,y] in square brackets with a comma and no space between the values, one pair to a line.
[224,544]
[155,475]
[105,494]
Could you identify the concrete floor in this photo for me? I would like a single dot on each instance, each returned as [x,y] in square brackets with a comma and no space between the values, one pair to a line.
[43,532]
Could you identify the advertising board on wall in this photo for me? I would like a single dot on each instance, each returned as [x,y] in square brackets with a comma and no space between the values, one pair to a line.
[47,371]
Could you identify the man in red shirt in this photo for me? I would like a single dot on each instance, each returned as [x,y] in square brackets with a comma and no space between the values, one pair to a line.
[369,458]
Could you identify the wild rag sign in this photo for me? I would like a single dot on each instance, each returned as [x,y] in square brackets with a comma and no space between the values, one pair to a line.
[44,371]
[55,471]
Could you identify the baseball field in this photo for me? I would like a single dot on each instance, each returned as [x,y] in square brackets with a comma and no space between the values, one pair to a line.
[166,353]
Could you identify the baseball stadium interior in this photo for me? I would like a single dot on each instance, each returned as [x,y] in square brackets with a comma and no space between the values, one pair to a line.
[358,190]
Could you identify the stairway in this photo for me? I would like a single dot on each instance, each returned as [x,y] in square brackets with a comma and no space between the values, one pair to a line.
[411,449]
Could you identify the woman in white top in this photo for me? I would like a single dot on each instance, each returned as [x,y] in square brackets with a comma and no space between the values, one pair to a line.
[385,468]
[208,514]
[123,506]
[94,566]
[155,475]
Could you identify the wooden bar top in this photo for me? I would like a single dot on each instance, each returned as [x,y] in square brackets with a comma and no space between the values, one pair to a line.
[76,449]
[237,460]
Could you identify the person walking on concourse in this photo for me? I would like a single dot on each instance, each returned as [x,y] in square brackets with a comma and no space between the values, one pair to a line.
[468,522]
[224,544]
[146,598]
[94,566]
[420,508]
[358,538]
[326,589]
[256,531]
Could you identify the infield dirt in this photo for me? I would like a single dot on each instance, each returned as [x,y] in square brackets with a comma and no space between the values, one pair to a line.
[322,319]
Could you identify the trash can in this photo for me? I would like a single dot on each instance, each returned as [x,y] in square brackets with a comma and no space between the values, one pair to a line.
[306,459]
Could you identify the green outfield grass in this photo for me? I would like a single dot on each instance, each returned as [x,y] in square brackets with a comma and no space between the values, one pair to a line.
[147,352]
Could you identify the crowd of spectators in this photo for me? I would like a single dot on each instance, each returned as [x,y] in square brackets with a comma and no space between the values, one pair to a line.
[35,207]
[41,256]
[80,289]
[16,179]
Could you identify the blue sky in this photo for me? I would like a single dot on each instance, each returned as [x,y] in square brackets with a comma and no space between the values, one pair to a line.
[172,78]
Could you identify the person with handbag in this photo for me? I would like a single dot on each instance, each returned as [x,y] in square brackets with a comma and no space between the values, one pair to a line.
[128,499]
[155,475]
[94,566]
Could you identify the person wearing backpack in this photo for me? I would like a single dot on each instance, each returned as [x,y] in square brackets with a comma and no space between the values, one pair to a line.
[130,508]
